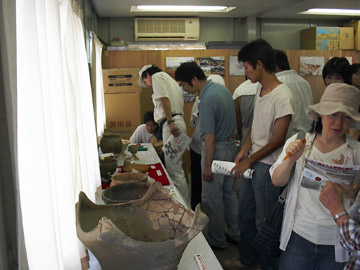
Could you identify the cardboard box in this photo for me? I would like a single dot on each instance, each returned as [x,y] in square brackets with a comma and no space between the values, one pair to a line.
[320,32]
[346,39]
[121,80]
[320,44]
[356,26]
[123,113]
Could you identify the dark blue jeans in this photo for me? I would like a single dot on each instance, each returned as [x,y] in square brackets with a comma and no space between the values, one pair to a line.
[301,254]
[196,178]
[256,200]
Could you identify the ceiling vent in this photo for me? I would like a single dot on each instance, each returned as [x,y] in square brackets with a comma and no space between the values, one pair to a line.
[152,29]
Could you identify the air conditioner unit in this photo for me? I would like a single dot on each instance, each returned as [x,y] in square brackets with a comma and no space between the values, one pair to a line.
[150,29]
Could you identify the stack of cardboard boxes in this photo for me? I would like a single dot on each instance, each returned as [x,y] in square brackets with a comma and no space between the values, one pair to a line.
[122,100]
[356,26]
[331,38]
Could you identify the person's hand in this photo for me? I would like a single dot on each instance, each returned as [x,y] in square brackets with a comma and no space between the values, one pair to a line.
[349,191]
[207,174]
[174,130]
[295,149]
[240,168]
[240,156]
[331,197]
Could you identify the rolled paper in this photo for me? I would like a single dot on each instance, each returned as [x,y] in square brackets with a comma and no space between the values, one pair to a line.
[224,167]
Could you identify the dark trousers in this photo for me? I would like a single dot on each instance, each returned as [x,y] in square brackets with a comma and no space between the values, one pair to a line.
[195,170]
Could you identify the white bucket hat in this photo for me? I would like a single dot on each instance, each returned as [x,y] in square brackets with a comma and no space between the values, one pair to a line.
[338,97]
[140,81]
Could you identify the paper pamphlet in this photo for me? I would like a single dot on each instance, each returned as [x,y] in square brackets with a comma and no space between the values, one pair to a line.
[224,167]
[317,173]
[175,146]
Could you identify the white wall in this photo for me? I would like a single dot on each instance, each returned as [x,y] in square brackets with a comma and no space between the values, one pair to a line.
[281,33]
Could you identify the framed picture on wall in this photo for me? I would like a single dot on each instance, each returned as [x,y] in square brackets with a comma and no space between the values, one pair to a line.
[172,63]
[311,66]
[212,65]
[236,68]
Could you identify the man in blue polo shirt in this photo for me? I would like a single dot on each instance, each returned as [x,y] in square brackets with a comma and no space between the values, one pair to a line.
[217,128]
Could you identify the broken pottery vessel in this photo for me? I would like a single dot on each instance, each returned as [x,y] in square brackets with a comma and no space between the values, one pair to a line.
[125,192]
[147,233]
[127,177]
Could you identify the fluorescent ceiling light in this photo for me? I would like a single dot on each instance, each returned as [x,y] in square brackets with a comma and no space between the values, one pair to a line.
[332,11]
[179,8]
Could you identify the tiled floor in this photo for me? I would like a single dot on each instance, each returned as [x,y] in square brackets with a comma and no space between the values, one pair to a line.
[227,254]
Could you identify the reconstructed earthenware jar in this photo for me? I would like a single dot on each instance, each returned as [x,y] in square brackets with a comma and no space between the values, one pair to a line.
[107,167]
[111,143]
[147,233]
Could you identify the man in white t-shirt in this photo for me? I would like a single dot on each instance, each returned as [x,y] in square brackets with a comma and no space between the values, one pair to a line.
[146,133]
[243,97]
[168,113]
[300,94]
[272,115]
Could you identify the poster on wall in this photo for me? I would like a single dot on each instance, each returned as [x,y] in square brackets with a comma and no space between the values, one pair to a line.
[311,66]
[212,65]
[172,63]
[236,68]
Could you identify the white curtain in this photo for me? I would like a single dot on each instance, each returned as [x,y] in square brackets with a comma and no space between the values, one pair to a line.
[98,87]
[57,148]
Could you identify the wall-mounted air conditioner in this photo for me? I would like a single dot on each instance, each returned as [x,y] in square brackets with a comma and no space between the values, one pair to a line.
[150,29]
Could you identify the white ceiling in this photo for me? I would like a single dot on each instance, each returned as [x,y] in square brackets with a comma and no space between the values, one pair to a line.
[244,8]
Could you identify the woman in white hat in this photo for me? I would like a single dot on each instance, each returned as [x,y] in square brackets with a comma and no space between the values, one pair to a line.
[309,233]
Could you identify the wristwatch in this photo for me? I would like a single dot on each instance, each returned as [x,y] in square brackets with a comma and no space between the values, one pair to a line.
[170,121]
[339,215]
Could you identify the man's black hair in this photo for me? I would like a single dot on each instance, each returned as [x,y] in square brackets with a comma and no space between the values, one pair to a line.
[282,61]
[355,68]
[258,50]
[151,70]
[149,116]
[338,66]
[187,71]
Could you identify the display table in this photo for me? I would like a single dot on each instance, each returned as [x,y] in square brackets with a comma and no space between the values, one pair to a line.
[197,246]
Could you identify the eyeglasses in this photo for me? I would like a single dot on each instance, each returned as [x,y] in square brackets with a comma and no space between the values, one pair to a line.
[345,118]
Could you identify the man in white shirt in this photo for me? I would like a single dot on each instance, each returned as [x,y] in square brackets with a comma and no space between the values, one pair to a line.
[243,98]
[272,115]
[168,113]
[146,133]
[300,94]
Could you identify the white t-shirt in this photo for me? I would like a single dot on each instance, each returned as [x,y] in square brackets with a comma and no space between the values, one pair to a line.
[141,135]
[165,86]
[300,97]
[246,88]
[312,220]
[246,91]
[267,109]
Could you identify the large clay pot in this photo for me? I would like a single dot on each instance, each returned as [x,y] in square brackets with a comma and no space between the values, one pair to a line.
[127,177]
[149,233]
[111,143]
